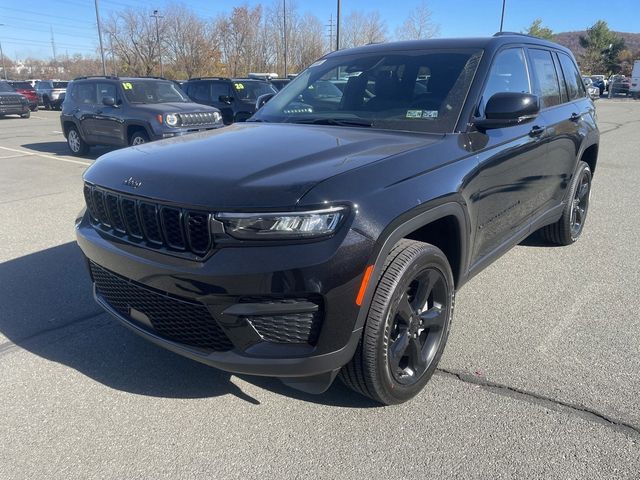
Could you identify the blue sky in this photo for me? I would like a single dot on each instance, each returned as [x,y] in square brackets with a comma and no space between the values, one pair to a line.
[27,29]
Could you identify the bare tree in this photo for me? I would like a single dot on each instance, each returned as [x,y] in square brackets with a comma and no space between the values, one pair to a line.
[418,25]
[361,28]
[309,44]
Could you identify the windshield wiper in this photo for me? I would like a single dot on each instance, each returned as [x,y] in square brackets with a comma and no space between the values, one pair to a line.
[343,122]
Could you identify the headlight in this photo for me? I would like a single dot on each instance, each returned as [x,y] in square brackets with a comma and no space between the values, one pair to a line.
[217,118]
[256,226]
[171,119]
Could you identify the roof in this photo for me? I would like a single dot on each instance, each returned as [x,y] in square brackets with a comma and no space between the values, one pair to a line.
[494,42]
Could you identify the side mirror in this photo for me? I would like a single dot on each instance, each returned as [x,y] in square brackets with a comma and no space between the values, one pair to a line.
[225,99]
[262,99]
[506,109]
[109,101]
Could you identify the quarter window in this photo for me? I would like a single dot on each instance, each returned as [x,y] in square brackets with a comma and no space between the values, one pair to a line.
[508,74]
[84,93]
[545,73]
[571,77]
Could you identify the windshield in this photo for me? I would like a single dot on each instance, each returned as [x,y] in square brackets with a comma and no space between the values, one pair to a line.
[418,91]
[5,87]
[250,90]
[60,84]
[152,91]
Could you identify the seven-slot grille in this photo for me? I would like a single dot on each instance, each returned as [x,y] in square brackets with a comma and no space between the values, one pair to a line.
[194,119]
[149,223]
[176,319]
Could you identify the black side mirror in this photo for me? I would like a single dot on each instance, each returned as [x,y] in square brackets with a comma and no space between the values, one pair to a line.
[109,101]
[505,109]
[262,99]
[225,99]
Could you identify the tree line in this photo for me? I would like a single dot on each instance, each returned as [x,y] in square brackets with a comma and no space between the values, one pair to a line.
[602,51]
[243,40]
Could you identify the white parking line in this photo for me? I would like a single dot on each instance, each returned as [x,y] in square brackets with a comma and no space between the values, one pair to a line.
[51,157]
[39,118]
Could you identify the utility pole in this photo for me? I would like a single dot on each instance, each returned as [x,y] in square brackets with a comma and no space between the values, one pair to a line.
[284,21]
[330,32]
[338,28]
[104,65]
[4,68]
[502,16]
[53,45]
[157,16]
[113,55]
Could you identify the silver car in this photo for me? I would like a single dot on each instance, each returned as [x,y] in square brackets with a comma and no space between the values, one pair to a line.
[51,93]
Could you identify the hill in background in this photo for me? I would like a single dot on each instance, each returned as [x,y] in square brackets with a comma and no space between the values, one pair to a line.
[571,40]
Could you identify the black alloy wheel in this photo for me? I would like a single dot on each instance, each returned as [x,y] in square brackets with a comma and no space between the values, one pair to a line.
[417,326]
[568,229]
[407,325]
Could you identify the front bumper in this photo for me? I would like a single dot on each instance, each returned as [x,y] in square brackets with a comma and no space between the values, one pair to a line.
[326,273]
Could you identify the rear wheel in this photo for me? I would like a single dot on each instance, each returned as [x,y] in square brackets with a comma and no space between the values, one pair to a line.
[138,138]
[34,108]
[47,103]
[76,144]
[569,228]
[407,326]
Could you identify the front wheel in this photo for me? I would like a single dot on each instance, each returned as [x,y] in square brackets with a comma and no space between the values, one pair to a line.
[138,138]
[407,325]
[568,229]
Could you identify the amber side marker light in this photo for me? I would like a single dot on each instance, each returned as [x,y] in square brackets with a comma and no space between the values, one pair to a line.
[363,285]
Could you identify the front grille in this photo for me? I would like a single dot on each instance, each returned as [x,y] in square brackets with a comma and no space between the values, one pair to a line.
[9,100]
[195,119]
[178,320]
[148,223]
[288,327]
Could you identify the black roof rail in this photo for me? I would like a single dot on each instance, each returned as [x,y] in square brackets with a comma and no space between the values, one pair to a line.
[507,34]
[96,76]
[208,78]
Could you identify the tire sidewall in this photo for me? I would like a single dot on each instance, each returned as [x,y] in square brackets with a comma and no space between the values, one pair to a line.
[583,169]
[392,391]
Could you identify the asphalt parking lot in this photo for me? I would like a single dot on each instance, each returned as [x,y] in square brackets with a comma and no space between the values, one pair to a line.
[540,378]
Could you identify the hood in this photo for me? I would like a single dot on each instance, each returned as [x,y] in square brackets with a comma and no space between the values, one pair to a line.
[247,165]
[173,107]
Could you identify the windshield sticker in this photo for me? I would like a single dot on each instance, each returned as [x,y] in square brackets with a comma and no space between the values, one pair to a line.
[127,85]
[430,114]
[239,86]
[414,113]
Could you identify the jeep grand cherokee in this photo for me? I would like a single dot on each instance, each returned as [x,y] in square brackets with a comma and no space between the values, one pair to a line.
[328,236]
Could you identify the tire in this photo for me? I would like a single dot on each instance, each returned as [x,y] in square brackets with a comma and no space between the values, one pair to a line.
[27,114]
[568,229]
[47,103]
[34,108]
[385,366]
[76,144]
[138,138]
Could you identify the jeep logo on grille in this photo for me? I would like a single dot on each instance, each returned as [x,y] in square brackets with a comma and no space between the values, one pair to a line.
[132,182]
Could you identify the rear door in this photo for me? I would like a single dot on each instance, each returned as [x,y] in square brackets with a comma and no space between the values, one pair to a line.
[562,118]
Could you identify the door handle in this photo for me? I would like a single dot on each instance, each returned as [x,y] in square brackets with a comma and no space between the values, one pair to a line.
[536,131]
[575,117]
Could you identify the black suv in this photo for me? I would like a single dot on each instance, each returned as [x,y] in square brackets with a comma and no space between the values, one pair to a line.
[129,111]
[12,102]
[329,237]
[235,97]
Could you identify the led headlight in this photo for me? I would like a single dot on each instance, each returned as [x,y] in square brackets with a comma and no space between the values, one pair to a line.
[217,118]
[171,119]
[256,226]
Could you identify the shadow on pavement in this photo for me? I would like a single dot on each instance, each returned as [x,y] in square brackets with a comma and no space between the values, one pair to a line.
[60,148]
[47,308]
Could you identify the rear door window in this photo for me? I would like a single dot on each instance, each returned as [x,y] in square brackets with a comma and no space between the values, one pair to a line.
[200,92]
[84,93]
[219,89]
[544,71]
[106,90]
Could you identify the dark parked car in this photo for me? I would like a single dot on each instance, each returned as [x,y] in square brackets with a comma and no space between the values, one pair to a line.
[25,88]
[279,83]
[50,93]
[619,85]
[129,111]
[598,82]
[326,238]
[236,98]
[12,102]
